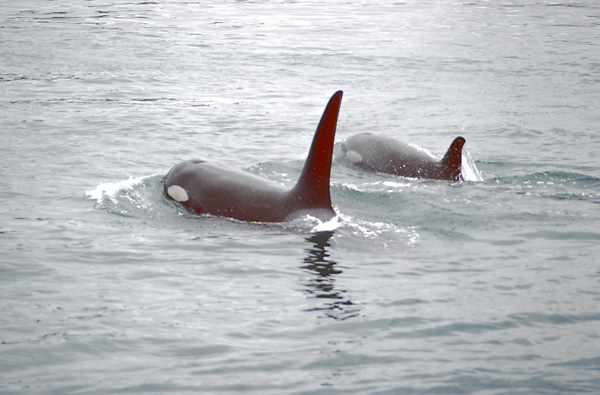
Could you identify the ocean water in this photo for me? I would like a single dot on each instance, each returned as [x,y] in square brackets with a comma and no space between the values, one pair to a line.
[487,286]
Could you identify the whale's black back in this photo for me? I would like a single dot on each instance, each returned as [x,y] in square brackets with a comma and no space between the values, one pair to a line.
[205,188]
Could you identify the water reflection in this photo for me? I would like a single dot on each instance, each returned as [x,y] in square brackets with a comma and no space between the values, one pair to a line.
[322,285]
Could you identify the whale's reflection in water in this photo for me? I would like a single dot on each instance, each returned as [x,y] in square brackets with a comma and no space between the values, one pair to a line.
[322,284]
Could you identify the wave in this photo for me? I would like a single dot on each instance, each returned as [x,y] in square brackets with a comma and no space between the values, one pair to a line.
[108,190]
[386,233]
[143,197]
[469,170]
[555,185]
[551,177]
[134,197]
[386,210]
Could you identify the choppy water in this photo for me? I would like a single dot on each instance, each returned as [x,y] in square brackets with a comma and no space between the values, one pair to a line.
[488,286]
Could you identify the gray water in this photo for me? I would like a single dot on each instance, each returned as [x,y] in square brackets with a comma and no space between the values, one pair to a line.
[487,286]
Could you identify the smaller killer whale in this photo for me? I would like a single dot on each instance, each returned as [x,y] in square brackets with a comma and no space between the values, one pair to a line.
[209,189]
[387,155]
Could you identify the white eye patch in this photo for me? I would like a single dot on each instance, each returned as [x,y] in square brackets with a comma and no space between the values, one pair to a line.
[354,156]
[177,193]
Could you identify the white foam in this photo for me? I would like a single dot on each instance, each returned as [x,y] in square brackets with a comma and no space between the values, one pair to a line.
[395,185]
[327,226]
[110,189]
[389,186]
[385,232]
[469,171]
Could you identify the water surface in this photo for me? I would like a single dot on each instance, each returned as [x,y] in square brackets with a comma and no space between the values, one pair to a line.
[417,286]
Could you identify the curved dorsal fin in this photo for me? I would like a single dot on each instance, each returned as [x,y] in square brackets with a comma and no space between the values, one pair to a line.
[453,158]
[313,185]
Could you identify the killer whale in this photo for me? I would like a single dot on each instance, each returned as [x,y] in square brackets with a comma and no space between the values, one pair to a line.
[205,188]
[385,154]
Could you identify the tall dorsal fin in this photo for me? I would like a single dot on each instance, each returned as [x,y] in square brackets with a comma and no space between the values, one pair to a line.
[313,185]
[453,158]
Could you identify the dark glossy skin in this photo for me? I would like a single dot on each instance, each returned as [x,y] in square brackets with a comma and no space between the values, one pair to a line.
[204,188]
[387,155]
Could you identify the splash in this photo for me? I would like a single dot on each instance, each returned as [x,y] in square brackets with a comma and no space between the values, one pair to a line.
[109,190]
[469,171]
[139,197]
[386,233]
[327,226]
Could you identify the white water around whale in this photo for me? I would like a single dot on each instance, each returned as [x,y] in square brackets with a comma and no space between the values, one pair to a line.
[468,169]
[416,286]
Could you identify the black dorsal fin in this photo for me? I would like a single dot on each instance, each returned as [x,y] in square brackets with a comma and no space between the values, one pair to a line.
[453,158]
[313,185]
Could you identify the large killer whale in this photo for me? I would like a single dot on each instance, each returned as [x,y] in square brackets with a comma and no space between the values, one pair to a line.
[210,189]
[385,154]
